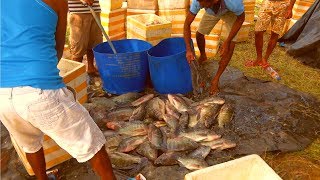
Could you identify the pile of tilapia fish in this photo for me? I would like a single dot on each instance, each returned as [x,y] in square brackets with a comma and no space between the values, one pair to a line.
[166,130]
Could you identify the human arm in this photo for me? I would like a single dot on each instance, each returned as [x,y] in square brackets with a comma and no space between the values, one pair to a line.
[289,9]
[233,32]
[60,35]
[187,36]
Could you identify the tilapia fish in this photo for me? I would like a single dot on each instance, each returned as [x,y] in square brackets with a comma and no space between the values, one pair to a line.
[145,149]
[134,128]
[123,160]
[103,102]
[178,103]
[192,163]
[113,141]
[201,152]
[225,115]
[171,121]
[220,144]
[167,159]
[183,121]
[126,98]
[208,101]
[131,143]
[138,113]
[155,136]
[208,114]
[115,125]
[142,100]
[156,108]
[122,114]
[170,109]
[180,144]
[200,135]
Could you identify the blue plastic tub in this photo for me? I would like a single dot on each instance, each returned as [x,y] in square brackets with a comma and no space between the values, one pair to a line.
[125,71]
[169,69]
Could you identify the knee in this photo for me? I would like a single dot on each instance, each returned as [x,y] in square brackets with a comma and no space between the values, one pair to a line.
[259,33]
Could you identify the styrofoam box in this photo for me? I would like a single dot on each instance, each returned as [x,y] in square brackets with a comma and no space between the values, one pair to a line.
[113,21]
[176,17]
[107,5]
[173,4]
[251,167]
[74,75]
[148,27]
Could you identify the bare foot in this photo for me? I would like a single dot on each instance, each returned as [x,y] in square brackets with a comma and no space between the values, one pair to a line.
[251,63]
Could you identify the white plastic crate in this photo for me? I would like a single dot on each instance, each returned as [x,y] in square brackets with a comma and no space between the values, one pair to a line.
[251,167]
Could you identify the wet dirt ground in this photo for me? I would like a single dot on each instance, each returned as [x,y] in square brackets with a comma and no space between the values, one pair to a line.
[269,117]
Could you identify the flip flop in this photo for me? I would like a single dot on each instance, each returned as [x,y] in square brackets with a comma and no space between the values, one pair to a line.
[251,63]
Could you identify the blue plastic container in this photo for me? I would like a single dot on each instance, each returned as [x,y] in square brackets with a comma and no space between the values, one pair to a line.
[169,69]
[125,71]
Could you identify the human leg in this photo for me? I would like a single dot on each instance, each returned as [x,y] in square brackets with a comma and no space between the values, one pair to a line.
[214,89]
[101,164]
[71,127]
[205,27]
[271,45]
[14,116]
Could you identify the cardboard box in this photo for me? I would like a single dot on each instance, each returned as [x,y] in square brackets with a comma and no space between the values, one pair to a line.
[250,167]
[176,17]
[109,5]
[148,27]
[113,22]
[173,4]
[74,75]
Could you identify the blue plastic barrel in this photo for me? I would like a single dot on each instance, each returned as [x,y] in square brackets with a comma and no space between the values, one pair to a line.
[125,71]
[169,69]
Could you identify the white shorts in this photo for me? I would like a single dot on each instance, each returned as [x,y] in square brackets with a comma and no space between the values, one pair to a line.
[28,112]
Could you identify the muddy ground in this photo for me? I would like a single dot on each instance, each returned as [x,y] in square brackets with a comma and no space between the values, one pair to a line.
[269,117]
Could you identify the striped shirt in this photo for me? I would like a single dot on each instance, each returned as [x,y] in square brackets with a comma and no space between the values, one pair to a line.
[76,6]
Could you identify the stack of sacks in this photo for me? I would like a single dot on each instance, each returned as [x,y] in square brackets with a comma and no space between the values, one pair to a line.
[113,18]
[212,40]
[175,12]
[136,7]
[148,27]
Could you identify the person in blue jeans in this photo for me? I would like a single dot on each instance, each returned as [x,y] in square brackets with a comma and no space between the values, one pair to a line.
[232,13]
[34,99]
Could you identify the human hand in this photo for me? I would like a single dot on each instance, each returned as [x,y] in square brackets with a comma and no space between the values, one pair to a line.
[289,13]
[190,56]
[223,51]
[88,2]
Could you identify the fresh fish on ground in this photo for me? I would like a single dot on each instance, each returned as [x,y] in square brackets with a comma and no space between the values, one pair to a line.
[155,136]
[143,99]
[200,135]
[134,128]
[146,150]
[115,125]
[113,141]
[201,152]
[215,144]
[103,102]
[171,121]
[121,114]
[148,121]
[225,115]
[170,109]
[160,123]
[183,121]
[193,119]
[131,143]
[123,160]
[181,144]
[178,103]
[167,159]
[126,98]
[227,144]
[108,133]
[138,113]
[208,114]
[192,163]
[208,101]
[156,108]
